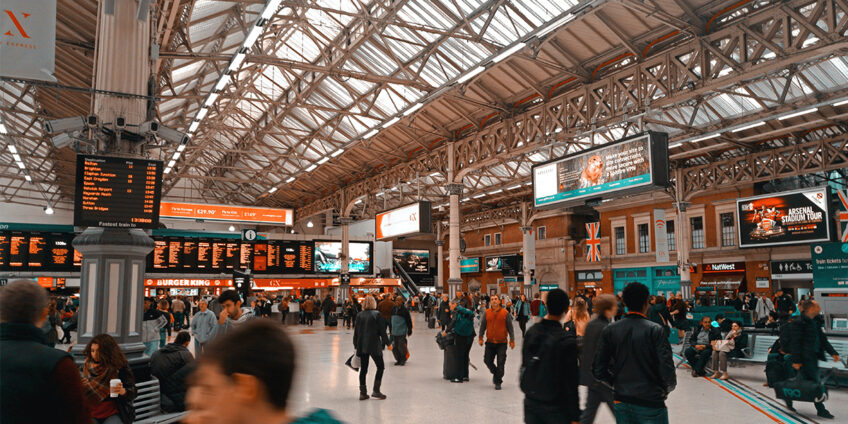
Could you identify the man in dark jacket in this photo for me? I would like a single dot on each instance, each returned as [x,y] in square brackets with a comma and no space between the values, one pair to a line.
[401,325]
[444,312]
[562,403]
[700,351]
[171,365]
[634,357]
[327,307]
[38,384]
[807,346]
[369,339]
[606,307]
[783,304]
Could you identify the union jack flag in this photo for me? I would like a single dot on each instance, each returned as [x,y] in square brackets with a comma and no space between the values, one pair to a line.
[843,215]
[593,242]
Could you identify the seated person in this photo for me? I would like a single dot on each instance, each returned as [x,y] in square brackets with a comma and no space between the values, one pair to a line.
[700,350]
[722,349]
[724,324]
[171,365]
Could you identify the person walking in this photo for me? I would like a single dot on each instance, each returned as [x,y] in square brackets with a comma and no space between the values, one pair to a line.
[444,312]
[522,313]
[579,316]
[606,307]
[104,362]
[497,326]
[369,339]
[284,308]
[38,384]
[308,308]
[401,328]
[178,307]
[203,326]
[462,325]
[549,372]
[635,359]
[327,307]
[152,322]
[51,333]
[807,346]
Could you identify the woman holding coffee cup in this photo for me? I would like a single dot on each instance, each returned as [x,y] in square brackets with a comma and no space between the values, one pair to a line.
[108,382]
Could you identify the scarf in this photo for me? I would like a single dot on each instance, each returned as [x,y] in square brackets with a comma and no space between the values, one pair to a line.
[95,381]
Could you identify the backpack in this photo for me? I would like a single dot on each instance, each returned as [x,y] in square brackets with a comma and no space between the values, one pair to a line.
[538,374]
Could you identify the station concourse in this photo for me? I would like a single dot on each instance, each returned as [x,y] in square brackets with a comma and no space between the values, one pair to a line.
[179,177]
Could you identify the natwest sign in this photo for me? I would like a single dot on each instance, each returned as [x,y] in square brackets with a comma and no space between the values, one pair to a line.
[187,282]
[244,214]
[724,267]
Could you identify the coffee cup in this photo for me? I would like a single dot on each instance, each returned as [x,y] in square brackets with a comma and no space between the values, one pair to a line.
[113,384]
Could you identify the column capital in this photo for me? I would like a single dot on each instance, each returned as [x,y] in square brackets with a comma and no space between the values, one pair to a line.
[440,242]
[345,220]
[454,188]
[526,229]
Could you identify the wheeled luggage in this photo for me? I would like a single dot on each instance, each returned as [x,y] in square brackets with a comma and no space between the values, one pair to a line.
[451,368]
[431,323]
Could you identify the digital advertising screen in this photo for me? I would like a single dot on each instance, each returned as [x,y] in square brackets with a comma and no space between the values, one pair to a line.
[468,265]
[413,261]
[792,217]
[493,263]
[328,257]
[227,213]
[403,221]
[117,192]
[628,166]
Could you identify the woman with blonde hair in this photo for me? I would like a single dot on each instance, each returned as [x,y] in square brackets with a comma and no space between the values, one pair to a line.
[579,316]
[369,338]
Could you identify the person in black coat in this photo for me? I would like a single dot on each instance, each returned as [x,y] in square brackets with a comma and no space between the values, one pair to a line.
[369,338]
[171,365]
[444,312]
[606,307]
[700,350]
[807,345]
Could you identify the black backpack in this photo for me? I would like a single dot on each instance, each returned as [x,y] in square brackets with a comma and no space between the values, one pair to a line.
[538,373]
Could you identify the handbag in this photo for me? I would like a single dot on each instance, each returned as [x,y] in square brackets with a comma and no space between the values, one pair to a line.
[800,389]
[353,362]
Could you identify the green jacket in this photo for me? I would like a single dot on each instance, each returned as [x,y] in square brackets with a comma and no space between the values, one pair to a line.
[318,416]
[463,322]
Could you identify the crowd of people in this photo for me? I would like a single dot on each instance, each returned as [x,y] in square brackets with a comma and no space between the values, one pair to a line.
[616,346]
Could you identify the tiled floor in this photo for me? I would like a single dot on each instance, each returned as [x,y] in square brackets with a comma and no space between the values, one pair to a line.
[418,394]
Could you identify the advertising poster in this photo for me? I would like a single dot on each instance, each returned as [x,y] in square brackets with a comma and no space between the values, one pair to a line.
[620,166]
[28,48]
[405,220]
[469,265]
[830,265]
[800,216]
[413,261]
[493,263]
[328,257]
[660,236]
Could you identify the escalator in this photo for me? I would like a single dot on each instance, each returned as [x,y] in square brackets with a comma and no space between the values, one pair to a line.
[408,286]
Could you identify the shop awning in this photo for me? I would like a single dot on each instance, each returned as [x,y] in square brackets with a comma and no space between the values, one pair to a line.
[375,282]
[290,283]
[724,282]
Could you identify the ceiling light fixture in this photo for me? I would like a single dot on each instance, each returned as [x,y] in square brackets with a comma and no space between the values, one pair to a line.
[3,129]
[13,149]
[28,178]
[796,114]
[748,127]
[310,224]
[337,152]
[225,79]
[311,167]
[290,179]
[17,157]
[508,52]
[211,99]
[471,74]
[371,133]
[391,122]
[177,155]
[48,210]
[323,160]
[252,36]
[167,171]
[201,114]
[237,60]
[172,163]
[232,228]
[20,165]
[412,110]
[842,103]
[193,127]
[708,137]
[272,190]
[270,9]
[181,147]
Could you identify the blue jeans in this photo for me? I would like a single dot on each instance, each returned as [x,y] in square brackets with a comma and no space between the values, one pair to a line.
[198,347]
[150,347]
[162,339]
[628,413]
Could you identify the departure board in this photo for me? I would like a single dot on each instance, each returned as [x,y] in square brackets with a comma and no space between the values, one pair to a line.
[117,192]
[273,258]
[61,252]
[296,257]
[77,259]
[159,255]
[18,250]
[37,258]
[219,255]
[4,250]
[233,250]
[204,252]
[175,247]
[260,257]
[245,256]
[190,253]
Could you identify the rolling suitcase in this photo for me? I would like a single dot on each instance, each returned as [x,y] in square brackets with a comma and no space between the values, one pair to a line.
[431,323]
[450,370]
[333,320]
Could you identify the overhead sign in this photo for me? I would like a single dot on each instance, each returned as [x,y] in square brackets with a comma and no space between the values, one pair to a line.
[187,282]
[413,261]
[469,265]
[792,217]
[248,235]
[226,213]
[725,267]
[328,257]
[403,221]
[628,166]
[512,265]
[830,265]
[792,270]
[28,39]
[660,236]
[117,192]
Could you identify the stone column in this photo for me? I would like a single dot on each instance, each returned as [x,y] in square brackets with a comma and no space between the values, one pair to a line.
[454,277]
[683,239]
[344,287]
[440,269]
[529,247]
[111,288]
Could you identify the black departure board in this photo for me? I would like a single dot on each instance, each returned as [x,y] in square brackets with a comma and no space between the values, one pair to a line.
[219,255]
[117,192]
[260,257]
[61,252]
[295,257]
[38,251]
[245,256]
[18,250]
[37,258]
[159,256]
[233,249]
[4,250]
[189,255]
[175,250]
[204,255]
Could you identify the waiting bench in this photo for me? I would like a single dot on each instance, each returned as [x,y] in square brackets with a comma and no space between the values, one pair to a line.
[830,368]
[147,404]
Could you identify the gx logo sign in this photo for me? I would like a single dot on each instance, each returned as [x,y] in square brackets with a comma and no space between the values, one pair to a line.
[17,23]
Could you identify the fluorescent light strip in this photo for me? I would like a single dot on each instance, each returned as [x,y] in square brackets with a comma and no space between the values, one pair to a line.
[514,187]
[172,163]
[181,147]
[311,168]
[237,60]
[391,122]
[337,152]
[803,112]
[496,191]
[508,52]
[272,190]
[17,157]
[748,127]
[225,79]
[167,170]
[290,179]
[211,99]
[323,160]
[708,137]
[13,149]
[471,74]
[28,178]
[201,114]
[412,110]
[559,22]
[193,127]
[21,165]
[3,129]
[842,103]
[270,9]
[252,36]
[371,133]
[478,196]
[177,155]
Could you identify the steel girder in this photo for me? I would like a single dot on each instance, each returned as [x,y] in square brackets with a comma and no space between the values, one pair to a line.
[768,40]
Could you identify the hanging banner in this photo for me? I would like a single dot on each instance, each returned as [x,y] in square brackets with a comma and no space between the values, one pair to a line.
[660,237]
[830,265]
[530,250]
[791,217]
[843,213]
[28,39]
[593,242]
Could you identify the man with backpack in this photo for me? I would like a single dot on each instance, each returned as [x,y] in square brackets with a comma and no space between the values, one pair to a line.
[635,359]
[401,328]
[496,324]
[549,372]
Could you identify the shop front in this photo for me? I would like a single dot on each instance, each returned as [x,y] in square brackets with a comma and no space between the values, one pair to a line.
[724,277]
[589,279]
[155,287]
[665,281]
[621,277]
[282,287]
[363,286]
[793,276]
